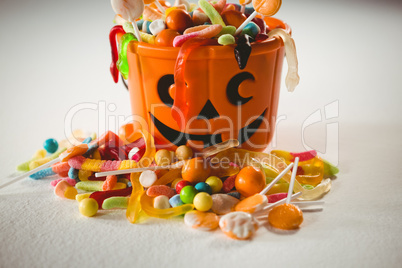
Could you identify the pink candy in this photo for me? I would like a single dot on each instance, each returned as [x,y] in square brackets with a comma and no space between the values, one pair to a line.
[72,182]
[158,190]
[209,32]
[276,197]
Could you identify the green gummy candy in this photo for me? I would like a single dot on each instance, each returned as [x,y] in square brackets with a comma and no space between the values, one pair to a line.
[89,186]
[227,30]
[128,27]
[122,64]
[308,186]
[226,39]
[211,12]
[115,202]
[329,169]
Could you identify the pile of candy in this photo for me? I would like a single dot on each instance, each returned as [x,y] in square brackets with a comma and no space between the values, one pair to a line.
[235,189]
[189,26]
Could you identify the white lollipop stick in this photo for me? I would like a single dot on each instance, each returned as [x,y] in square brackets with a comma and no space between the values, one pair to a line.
[241,27]
[269,186]
[159,6]
[243,8]
[280,202]
[20,177]
[292,180]
[136,31]
[134,170]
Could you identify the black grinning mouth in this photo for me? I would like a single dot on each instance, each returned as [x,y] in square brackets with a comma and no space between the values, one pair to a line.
[180,138]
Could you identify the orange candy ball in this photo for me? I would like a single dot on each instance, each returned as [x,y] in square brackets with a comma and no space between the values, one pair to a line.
[286,217]
[179,20]
[250,181]
[165,38]
[233,17]
[196,170]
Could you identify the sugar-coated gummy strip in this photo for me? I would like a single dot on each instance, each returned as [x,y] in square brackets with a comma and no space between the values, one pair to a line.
[115,202]
[207,33]
[211,12]
[100,196]
[42,174]
[38,155]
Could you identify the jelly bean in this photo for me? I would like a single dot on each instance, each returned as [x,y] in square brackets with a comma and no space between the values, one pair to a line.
[233,17]
[223,203]
[203,187]
[175,201]
[211,12]
[80,197]
[122,64]
[88,207]
[184,152]
[157,190]
[215,183]
[161,202]
[250,181]
[272,198]
[243,51]
[151,14]
[229,184]
[196,170]
[199,18]
[148,178]
[164,157]
[226,39]
[267,8]
[147,207]
[145,27]
[202,201]
[109,183]
[204,221]
[235,194]
[187,194]
[165,38]
[51,145]
[252,203]
[100,196]
[38,155]
[178,20]
[157,26]
[251,29]
[64,190]
[181,184]
[238,225]
[285,216]
[115,202]
[70,181]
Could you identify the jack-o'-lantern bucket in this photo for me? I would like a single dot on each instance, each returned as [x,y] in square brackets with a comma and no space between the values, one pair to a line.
[226,102]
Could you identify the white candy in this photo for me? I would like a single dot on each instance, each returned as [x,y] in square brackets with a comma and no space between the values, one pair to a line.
[157,26]
[161,202]
[147,178]
[133,151]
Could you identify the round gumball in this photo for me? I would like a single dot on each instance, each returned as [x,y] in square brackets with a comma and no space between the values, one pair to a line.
[184,152]
[88,207]
[50,145]
[196,170]
[202,201]
[187,194]
[165,38]
[215,183]
[178,20]
[181,184]
[164,157]
[250,181]
[203,187]
[286,217]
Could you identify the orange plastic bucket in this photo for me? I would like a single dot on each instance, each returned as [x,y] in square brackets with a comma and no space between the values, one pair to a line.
[227,102]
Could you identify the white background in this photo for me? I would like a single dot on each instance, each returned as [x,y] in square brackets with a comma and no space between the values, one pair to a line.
[55,55]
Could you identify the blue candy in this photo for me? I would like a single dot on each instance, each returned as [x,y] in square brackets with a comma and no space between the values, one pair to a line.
[175,201]
[145,27]
[203,187]
[251,29]
[50,145]
[42,173]
[72,172]
[139,24]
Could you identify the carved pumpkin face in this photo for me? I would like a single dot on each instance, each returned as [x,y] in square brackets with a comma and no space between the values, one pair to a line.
[227,103]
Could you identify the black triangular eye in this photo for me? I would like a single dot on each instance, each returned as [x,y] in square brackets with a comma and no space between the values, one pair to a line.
[208,111]
[164,84]
[232,90]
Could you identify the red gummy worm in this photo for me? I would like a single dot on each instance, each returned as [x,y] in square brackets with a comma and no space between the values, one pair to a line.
[115,54]
[100,196]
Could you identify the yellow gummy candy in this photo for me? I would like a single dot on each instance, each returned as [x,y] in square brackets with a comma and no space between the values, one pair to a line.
[92,165]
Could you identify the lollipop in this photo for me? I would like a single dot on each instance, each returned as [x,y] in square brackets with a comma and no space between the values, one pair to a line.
[264,7]
[130,10]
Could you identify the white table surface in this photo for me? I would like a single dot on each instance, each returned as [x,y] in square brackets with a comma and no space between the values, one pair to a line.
[55,55]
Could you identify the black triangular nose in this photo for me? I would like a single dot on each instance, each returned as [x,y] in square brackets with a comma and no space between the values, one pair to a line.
[208,111]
